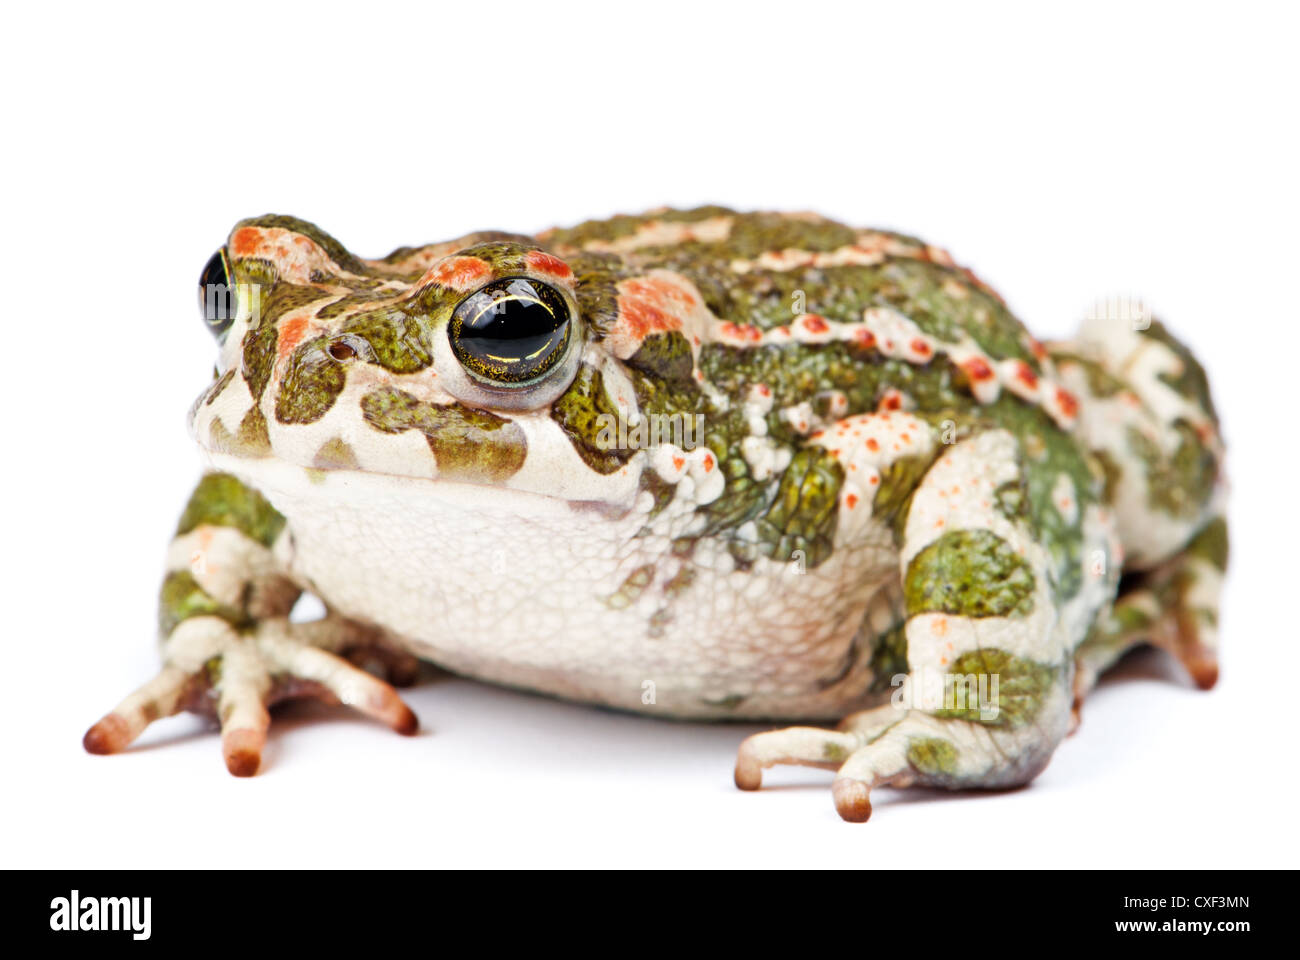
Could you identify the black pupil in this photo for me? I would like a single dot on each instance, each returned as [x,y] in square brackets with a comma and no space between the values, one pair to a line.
[511,331]
[217,299]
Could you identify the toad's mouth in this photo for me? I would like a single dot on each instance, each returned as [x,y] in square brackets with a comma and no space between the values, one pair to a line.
[288,484]
[451,449]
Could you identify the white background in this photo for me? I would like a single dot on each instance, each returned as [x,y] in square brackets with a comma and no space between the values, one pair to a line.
[1065,156]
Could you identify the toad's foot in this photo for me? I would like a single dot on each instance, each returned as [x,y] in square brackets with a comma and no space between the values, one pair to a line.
[211,668]
[892,746]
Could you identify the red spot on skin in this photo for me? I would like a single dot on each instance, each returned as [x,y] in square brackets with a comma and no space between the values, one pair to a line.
[892,401]
[649,305]
[815,324]
[458,273]
[291,334]
[905,438]
[851,500]
[642,319]
[875,480]
[678,463]
[741,331]
[977,369]
[1037,349]
[921,348]
[1068,404]
[708,463]
[1026,375]
[764,390]
[864,338]
[548,265]
[302,241]
[245,241]
[659,289]
[818,434]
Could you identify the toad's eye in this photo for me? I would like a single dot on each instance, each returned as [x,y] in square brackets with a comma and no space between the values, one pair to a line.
[217,300]
[511,332]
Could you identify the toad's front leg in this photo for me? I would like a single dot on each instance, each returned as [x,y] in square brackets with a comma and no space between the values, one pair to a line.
[229,649]
[989,648]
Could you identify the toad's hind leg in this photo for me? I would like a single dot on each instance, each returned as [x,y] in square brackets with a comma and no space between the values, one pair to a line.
[1148,417]
[1174,606]
[987,695]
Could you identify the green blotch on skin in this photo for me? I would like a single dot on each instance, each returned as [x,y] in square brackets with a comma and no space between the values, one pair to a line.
[252,439]
[1046,453]
[467,444]
[1022,685]
[631,588]
[359,298]
[596,277]
[932,756]
[1181,483]
[1132,614]
[1191,381]
[254,271]
[249,440]
[259,357]
[833,752]
[222,500]
[311,384]
[215,388]
[1101,382]
[396,340]
[335,454]
[889,656]
[181,598]
[755,233]
[666,357]
[1011,500]
[1112,472]
[1211,544]
[898,483]
[280,298]
[920,290]
[803,515]
[971,573]
[581,412]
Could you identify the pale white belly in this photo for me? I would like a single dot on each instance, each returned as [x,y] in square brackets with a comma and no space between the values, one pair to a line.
[569,600]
